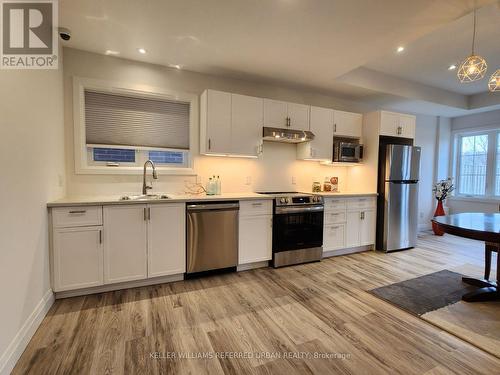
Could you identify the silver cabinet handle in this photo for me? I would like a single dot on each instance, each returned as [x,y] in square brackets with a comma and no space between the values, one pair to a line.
[149,213]
[256,204]
[209,144]
[335,128]
[145,214]
[335,227]
[100,235]
[78,212]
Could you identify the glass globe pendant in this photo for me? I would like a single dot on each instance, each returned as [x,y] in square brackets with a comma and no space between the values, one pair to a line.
[494,82]
[473,67]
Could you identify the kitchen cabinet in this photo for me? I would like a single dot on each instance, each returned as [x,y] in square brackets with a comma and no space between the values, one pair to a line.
[125,243]
[347,124]
[397,124]
[230,124]
[215,122]
[77,258]
[279,114]
[349,222]
[255,232]
[246,124]
[321,147]
[166,239]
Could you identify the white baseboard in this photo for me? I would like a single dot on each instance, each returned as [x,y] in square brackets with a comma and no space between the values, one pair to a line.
[424,227]
[16,347]
[251,266]
[351,250]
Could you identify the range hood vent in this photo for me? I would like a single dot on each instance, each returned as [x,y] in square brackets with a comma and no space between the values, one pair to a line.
[286,135]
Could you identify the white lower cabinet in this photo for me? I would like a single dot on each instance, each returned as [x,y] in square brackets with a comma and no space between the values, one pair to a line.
[166,239]
[125,241]
[255,238]
[334,237]
[77,258]
[349,222]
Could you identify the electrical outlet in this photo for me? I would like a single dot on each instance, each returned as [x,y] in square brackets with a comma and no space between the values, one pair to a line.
[248,180]
[294,180]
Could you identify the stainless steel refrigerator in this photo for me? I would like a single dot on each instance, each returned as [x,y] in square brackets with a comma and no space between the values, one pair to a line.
[399,221]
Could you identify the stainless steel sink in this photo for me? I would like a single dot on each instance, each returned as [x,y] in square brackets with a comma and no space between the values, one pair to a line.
[144,197]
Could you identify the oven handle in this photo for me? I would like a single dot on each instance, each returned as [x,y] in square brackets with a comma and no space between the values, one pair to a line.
[288,210]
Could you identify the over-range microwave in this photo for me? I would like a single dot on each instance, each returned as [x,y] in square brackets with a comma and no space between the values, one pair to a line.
[347,152]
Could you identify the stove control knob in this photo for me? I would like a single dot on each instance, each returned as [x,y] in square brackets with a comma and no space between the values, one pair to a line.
[288,200]
[282,200]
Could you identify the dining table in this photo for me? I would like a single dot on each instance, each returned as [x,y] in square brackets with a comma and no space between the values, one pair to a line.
[482,227]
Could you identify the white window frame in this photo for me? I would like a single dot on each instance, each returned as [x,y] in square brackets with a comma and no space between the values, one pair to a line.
[83,164]
[492,131]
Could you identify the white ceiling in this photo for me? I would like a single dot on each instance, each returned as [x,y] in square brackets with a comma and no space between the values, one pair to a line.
[296,42]
[427,59]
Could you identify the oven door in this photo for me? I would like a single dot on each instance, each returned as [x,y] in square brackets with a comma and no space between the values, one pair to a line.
[297,228]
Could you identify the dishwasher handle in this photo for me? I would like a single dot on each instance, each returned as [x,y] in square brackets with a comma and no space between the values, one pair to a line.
[213,206]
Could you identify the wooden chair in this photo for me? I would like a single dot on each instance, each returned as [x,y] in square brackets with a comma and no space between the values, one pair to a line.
[489,248]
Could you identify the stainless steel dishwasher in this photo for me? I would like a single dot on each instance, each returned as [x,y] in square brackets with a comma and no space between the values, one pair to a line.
[212,237]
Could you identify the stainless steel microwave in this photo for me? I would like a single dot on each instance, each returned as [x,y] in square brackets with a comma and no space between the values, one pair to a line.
[347,152]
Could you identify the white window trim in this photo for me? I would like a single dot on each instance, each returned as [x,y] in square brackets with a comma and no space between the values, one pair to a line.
[79,138]
[491,160]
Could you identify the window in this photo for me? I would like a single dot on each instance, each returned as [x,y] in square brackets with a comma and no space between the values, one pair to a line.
[473,159]
[477,163]
[118,129]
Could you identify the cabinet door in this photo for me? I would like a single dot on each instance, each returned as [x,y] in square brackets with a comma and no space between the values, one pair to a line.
[218,122]
[353,223]
[125,242]
[407,124]
[166,239]
[78,258]
[246,124]
[299,116]
[367,227]
[347,124]
[255,239]
[321,147]
[389,124]
[334,237]
[275,113]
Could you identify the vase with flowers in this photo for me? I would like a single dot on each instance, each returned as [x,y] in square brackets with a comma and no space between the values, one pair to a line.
[441,191]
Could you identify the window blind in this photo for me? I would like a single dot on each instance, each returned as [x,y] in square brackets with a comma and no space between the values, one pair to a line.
[112,119]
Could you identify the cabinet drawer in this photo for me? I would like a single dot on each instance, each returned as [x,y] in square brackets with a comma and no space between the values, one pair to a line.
[257,207]
[332,217]
[77,216]
[334,204]
[361,203]
[334,237]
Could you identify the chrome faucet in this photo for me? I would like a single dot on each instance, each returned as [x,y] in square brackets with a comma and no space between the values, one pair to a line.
[146,187]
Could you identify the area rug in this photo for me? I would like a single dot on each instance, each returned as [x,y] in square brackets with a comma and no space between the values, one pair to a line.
[437,298]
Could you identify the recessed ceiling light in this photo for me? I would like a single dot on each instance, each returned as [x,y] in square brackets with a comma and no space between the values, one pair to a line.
[141,50]
[111,52]
[400,49]
[176,66]
[452,67]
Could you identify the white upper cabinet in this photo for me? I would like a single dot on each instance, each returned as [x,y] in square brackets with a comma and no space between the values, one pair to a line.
[215,122]
[166,239]
[347,124]
[321,147]
[246,124]
[275,113]
[278,114]
[397,124]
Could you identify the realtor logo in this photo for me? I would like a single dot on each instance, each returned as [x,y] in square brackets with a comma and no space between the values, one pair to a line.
[29,34]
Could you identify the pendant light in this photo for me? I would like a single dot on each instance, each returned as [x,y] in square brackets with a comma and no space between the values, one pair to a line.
[494,82]
[473,67]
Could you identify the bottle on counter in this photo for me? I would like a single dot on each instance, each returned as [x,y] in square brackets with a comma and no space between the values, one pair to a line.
[327,185]
[218,186]
[210,187]
[316,188]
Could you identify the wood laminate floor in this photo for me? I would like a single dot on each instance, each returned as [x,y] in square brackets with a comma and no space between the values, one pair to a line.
[279,319]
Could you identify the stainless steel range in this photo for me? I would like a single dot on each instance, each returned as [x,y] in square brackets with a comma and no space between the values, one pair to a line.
[297,228]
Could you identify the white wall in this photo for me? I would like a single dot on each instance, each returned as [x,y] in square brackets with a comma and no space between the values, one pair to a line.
[484,120]
[274,171]
[426,137]
[31,151]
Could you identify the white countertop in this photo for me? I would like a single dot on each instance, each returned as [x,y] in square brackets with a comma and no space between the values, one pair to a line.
[115,199]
